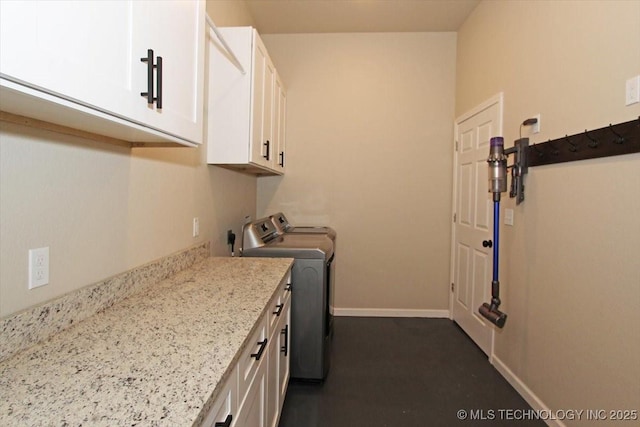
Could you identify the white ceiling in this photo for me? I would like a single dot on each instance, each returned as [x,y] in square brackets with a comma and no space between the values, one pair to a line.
[349,16]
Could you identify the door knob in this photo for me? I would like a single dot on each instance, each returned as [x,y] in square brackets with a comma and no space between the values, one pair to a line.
[487,243]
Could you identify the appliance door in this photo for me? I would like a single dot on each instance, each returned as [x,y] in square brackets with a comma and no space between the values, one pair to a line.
[329,278]
[311,320]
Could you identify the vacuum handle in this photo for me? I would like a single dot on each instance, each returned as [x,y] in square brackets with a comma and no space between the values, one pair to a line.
[487,244]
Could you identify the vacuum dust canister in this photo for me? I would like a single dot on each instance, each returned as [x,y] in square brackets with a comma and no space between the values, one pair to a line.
[497,166]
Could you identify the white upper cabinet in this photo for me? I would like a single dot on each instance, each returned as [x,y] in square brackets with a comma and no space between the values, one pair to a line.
[279,122]
[78,64]
[243,128]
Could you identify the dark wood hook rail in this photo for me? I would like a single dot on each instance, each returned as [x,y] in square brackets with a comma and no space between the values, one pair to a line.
[612,140]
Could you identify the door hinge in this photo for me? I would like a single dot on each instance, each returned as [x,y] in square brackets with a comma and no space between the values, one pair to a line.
[456,145]
[455,217]
[453,287]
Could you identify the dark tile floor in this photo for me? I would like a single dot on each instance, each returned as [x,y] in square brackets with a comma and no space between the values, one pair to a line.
[404,372]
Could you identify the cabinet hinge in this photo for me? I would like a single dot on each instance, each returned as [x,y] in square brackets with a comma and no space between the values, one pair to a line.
[455,217]
[453,287]
[456,145]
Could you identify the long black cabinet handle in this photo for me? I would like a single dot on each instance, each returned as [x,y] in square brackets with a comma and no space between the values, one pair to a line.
[266,144]
[279,308]
[149,60]
[226,423]
[263,345]
[281,162]
[159,82]
[285,347]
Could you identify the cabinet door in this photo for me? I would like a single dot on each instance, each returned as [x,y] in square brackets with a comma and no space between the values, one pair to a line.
[273,395]
[280,107]
[252,411]
[90,53]
[226,404]
[252,357]
[258,146]
[284,350]
[175,31]
[81,51]
[268,113]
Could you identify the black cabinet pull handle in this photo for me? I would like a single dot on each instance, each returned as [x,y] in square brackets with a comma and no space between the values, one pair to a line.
[487,243]
[281,162]
[159,82]
[149,60]
[279,308]
[263,345]
[288,287]
[266,144]
[285,347]
[226,423]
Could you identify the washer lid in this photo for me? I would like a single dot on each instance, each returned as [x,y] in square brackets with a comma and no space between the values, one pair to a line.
[301,246]
[283,225]
[328,231]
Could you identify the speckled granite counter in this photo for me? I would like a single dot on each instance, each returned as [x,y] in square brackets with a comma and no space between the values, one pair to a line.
[154,358]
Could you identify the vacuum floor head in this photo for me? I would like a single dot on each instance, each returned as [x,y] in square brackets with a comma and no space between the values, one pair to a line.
[493,315]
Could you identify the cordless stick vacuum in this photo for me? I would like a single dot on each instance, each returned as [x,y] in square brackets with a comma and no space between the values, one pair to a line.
[497,184]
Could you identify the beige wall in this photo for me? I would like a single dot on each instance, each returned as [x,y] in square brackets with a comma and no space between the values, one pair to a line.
[572,277]
[369,131]
[105,209]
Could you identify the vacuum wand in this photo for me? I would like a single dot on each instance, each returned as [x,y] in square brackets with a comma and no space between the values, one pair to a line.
[497,184]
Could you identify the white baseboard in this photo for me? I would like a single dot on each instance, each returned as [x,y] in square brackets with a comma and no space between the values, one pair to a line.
[389,312]
[524,391]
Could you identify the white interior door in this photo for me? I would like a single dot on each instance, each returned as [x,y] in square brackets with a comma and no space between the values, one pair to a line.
[473,220]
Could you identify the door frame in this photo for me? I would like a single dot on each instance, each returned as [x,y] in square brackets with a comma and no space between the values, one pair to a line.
[499,100]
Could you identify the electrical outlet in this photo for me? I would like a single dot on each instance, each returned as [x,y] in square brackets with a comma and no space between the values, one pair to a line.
[38,267]
[632,91]
[196,227]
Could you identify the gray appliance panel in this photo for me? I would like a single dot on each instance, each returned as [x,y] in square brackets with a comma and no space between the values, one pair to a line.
[310,339]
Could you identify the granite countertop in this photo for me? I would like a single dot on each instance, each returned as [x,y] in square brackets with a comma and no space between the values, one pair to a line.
[154,358]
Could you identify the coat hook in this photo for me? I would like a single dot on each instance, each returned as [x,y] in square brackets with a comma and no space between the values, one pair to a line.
[573,147]
[554,149]
[537,150]
[619,138]
[593,143]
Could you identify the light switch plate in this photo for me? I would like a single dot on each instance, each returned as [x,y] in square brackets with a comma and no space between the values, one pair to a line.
[508,216]
[633,91]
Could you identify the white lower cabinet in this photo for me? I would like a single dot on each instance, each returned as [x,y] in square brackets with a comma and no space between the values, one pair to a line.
[278,377]
[284,335]
[252,411]
[226,405]
[254,393]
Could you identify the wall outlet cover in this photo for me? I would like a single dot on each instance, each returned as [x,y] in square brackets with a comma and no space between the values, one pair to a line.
[38,267]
